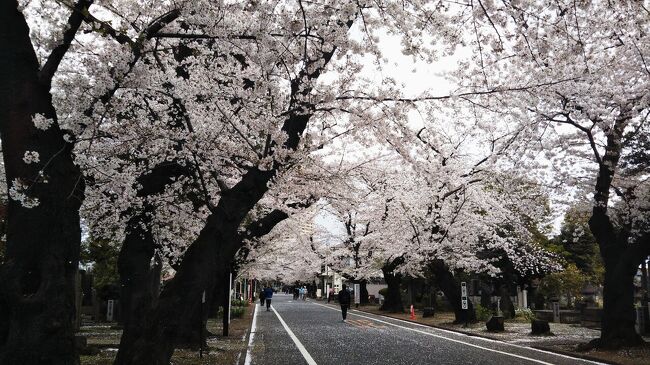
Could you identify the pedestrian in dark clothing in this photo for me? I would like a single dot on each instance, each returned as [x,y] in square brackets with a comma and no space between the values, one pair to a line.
[262,297]
[268,294]
[344,301]
[296,293]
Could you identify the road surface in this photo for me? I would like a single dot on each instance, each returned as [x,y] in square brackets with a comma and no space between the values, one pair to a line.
[309,332]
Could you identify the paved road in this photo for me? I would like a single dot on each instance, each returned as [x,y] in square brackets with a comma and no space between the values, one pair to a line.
[307,332]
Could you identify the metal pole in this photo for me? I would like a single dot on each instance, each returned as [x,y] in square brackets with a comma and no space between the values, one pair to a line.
[229,295]
[201,326]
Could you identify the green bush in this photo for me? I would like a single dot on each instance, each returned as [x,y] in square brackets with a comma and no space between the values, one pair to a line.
[482,313]
[237,312]
[239,303]
[525,313]
[443,305]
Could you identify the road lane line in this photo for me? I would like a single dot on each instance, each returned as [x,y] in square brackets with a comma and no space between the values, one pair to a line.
[303,350]
[250,339]
[462,342]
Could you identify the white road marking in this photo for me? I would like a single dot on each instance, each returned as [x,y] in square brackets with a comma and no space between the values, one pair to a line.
[463,342]
[299,345]
[250,339]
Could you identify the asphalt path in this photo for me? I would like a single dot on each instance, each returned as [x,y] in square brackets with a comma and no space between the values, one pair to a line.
[310,332]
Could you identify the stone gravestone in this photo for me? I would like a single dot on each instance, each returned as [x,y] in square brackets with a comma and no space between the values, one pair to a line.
[540,327]
[109,310]
[495,324]
[556,312]
[639,325]
[428,312]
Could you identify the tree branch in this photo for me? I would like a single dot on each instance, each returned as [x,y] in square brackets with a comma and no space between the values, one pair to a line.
[54,60]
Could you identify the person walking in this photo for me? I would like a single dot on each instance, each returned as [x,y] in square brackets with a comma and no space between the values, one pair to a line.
[262,297]
[344,301]
[268,295]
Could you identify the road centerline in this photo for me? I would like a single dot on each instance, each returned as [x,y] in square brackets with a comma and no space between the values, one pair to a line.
[295,339]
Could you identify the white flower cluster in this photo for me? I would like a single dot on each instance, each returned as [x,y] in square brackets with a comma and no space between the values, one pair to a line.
[41,122]
[31,157]
[18,192]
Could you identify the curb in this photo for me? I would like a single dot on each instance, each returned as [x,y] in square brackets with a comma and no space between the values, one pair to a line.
[472,334]
[574,354]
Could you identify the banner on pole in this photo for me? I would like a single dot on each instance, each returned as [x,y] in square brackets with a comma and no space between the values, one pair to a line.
[357,293]
[463,294]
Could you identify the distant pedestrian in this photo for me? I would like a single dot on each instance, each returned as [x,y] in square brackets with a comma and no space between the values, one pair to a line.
[303,293]
[268,295]
[262,297]
[296,293]
[330,294]
[344,301]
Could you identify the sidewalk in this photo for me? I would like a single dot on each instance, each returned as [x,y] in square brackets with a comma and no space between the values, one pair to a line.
[565,338]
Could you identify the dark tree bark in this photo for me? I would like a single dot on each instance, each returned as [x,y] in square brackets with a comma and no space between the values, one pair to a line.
[621,257]
[486,292]
[363,288]
[507,307]
[451,288]
[179,301]
[139,278]
[393,300]
[37,308]
[364,292]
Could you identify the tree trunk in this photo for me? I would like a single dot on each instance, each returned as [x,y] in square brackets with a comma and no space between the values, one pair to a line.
[139,281]
[451,288]
[364,292]
[139,269]
[621,257]
[507,307]
[213,250]
[617,326]
[393,299]
[42,251]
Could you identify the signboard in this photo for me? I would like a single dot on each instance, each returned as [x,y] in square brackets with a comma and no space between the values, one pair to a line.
[109,310]
[357,294]
[463,294]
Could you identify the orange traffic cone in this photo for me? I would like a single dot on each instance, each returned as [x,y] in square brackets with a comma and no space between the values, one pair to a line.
[412,312]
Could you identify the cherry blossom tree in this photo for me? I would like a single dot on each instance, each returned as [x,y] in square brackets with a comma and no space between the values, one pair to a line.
[46,191]
[592,57]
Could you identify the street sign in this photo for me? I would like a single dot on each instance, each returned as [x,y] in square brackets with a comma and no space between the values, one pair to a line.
[463,294]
